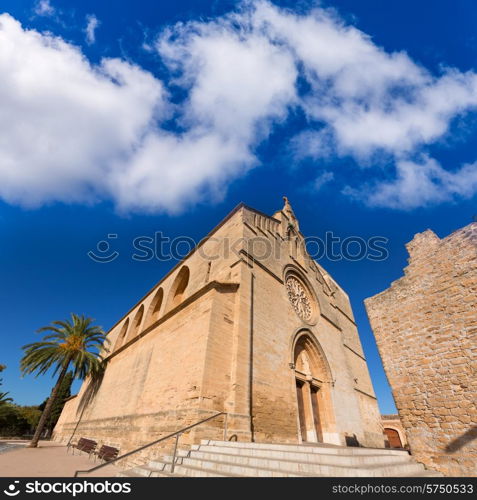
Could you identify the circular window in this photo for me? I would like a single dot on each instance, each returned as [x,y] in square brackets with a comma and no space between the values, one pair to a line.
[300,298]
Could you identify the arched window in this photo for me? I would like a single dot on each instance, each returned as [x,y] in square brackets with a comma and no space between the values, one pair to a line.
[122,335]
[176,295]
[155,307]
[137,322]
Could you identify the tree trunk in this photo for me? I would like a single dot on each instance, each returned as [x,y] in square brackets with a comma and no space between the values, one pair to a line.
[46,412]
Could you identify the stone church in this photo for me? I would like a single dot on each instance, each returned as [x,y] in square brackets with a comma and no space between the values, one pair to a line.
[246,324]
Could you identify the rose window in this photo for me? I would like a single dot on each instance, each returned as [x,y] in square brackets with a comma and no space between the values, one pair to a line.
[299,298]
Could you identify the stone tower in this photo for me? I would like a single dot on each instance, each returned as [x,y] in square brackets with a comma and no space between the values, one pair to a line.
[246,324]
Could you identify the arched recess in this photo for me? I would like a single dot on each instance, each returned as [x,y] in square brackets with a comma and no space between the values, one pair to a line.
[394,437]
[122,335]
[313,382]
[155,307]
[136,325]
[176,294]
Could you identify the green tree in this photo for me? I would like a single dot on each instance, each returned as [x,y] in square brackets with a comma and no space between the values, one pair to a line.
[17,420]
[11,421]
[31,415]
[76,343]
[64,392]
[3,395]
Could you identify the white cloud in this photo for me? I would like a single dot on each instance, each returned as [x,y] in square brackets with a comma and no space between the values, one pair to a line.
[74,132]
[313,144]
[366,98]
[400,126]
[420,184]
[92,23]
[62,121]
[364,101]
[236,89]
[82,132]
[44,8]
[235,82]
[323,179]
[169,171]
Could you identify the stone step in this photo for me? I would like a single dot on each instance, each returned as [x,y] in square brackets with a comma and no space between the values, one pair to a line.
[146,471]
[238,459]
[200,472]
[318,448]
[243,465]
[190,471]
[163,468]
[316,458]
[128,473]
[219,469]
[158,470]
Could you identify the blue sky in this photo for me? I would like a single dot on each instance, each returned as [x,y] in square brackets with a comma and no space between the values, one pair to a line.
[162,116]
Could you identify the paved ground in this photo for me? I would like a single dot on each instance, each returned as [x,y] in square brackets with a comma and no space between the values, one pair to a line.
[48,460]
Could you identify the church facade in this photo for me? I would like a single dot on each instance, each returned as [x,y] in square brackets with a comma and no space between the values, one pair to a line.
[247,324]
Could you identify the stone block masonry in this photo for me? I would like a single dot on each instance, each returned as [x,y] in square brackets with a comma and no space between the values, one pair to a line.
[425,326]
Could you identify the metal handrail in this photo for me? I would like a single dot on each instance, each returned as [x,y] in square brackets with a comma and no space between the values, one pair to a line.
[177,434]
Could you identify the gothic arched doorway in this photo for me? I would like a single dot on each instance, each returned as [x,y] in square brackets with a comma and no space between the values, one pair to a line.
[312,380]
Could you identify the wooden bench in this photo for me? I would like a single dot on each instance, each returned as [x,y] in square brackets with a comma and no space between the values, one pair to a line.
[106,453]
[84,444]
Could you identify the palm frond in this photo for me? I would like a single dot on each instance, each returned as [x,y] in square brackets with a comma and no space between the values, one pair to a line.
[74,340]
[4,399]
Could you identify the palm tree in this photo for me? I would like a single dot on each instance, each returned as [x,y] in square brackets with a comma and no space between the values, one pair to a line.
[73,342]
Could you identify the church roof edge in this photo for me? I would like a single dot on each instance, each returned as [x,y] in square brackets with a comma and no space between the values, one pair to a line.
[198,245]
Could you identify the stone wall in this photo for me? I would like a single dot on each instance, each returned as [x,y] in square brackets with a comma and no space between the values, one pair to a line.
[426,331]
[158,384]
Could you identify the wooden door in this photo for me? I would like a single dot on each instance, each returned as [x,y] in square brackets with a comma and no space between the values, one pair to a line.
[301,408]
[393,438]
[315,399]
